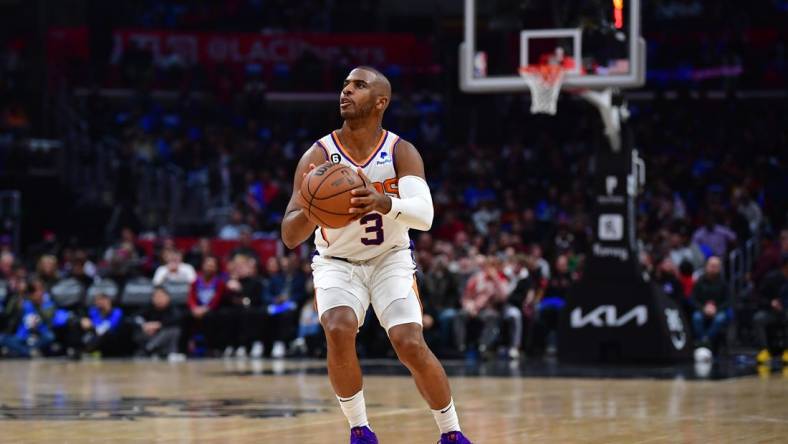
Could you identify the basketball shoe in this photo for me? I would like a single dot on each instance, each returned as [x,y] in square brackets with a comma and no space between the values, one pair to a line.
[454,438]
[362,435]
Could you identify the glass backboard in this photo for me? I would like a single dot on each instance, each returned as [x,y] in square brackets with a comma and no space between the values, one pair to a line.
[597,41]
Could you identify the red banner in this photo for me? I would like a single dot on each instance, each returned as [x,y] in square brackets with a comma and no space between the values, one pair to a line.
[242,48]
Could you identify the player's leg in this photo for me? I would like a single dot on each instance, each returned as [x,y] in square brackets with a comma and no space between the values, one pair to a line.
[394,296]
[341,325]
[342,303]
[402,321]
[408,342]
[341,313]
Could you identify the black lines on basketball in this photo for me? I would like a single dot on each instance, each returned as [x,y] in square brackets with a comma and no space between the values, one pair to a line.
[329,188]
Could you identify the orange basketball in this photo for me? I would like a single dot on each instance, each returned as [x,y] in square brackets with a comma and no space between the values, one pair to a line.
[325,194]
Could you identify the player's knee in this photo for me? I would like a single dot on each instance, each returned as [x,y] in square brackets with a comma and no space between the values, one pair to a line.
[340,325]
[408,343]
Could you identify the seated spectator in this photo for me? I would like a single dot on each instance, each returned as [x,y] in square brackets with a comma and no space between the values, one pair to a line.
[772,314]
[79,270]
[232,230]
[538,255]
[532,289]
[310,334]
[11,305]
[428,316]
[7,261]
[124,258]
[519,287]
[244,303]
[174,270]
[710,297]
[549,307]
[244,246]
[205,299]
[683,250]
[715,237]
[198,252]
[101,328]
[32,327]
[441,290]
[47,270]
[283,291]
[667,277]
[158,327]
[687,279]
[485,299]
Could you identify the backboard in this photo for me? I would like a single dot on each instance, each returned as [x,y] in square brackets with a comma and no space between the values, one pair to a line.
[597,41]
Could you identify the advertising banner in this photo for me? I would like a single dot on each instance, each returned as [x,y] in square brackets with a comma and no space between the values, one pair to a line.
[211,48]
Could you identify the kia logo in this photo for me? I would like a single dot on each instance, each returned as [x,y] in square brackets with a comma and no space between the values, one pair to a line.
[607,316]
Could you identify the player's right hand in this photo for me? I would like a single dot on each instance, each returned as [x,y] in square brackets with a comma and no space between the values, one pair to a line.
[367,199]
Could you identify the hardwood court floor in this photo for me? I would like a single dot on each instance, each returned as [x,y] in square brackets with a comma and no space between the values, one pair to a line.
[291,402]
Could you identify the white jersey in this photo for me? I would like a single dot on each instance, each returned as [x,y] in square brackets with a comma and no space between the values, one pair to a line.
[373,234]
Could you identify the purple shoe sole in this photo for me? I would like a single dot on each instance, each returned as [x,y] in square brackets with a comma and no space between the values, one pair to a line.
[362,435]
[454,438]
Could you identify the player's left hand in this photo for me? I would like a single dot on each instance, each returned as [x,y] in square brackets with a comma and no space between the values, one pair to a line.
[368,199]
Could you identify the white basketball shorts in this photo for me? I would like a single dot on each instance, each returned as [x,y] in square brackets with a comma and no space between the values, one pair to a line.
[388,282]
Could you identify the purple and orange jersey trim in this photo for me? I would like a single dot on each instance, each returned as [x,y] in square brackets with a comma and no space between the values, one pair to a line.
[346,155]
[323,147]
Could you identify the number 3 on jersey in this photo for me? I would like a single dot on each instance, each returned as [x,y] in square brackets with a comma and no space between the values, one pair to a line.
[373,224]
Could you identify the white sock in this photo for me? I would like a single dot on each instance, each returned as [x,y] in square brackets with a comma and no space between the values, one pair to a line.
[355,409]
[446,418]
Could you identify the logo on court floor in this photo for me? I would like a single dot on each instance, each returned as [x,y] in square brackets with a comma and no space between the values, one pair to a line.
[59,407]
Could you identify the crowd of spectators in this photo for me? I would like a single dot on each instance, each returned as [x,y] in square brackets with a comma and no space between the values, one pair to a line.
[74,302]
[125,301]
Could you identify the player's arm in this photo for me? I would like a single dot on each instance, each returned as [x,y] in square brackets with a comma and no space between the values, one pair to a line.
[413,207]
[296,227]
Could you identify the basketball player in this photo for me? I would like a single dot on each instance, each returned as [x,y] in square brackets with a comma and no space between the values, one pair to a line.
[369,260]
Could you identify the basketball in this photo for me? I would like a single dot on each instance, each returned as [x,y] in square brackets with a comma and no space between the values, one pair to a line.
[325,194]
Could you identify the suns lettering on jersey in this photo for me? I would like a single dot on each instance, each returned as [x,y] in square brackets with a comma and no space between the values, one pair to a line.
[389,187]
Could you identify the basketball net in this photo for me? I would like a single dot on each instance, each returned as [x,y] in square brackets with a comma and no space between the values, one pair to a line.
[544,81]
